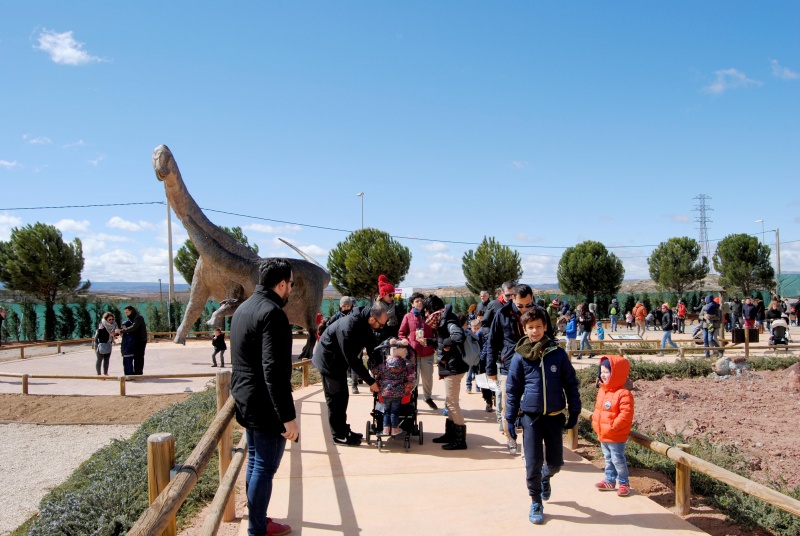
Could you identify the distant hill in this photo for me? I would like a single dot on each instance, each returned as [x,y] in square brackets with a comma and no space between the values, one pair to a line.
[124,287]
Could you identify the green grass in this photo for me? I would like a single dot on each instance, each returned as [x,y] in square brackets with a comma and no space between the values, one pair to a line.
[108,492]
[742,508]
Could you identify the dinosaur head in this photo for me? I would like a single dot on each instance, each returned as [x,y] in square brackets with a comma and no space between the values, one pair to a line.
[164,163]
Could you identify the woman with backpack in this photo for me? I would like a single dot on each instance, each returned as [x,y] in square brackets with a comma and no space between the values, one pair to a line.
[103,340]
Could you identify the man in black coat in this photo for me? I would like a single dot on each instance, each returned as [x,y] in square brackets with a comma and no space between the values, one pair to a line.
[261,357]
[138,329]
[341,347]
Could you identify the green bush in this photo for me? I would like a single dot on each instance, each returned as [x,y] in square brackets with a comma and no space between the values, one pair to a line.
[108,492]
[742,508]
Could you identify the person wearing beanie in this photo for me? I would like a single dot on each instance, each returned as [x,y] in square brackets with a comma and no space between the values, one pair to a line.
[386,295]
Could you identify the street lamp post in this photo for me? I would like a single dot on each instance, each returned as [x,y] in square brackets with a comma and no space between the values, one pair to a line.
[762,231]
[160,292]
[361,195]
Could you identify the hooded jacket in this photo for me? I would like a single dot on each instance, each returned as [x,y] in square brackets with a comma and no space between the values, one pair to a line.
[138,328]
[261,358]
[408,327]
[711,310]
[541,380]
[342,344]
[613,411]
[450,335]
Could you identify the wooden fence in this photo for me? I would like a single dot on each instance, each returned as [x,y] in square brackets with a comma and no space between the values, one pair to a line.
[686,462]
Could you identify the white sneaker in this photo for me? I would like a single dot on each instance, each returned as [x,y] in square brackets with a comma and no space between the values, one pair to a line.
[512,447]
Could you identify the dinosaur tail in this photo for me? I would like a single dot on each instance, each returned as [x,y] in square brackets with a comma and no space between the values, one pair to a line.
[305,255]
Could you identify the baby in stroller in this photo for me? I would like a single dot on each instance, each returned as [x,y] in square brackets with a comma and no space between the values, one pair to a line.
[780,332]
[395,375]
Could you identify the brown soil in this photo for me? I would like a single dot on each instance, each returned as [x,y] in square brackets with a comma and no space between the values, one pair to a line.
[753,412]
[48,409]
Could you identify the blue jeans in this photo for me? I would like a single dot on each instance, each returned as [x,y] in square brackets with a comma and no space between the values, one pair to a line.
[585,341]
[667,338]
[264,457]
[616,465]
[709,339]
[470,377]
[391,412]
[541,441]
[613,322]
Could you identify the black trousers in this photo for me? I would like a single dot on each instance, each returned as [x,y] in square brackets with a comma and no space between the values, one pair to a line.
[138,357]
[337,396]
[542,442]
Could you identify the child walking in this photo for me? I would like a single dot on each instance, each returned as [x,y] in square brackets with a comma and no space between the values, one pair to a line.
[611,421]
[541,371]
[218,341]
[395,377]
[601,333]
[629,320]
[571,332]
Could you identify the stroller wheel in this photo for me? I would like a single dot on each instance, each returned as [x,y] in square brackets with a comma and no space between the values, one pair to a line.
[420,432]
[407,443]
[369,432]
[380,443]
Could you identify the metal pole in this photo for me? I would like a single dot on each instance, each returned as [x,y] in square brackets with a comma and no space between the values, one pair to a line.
[171,275]
[160,292]
[361,195]
[778,260]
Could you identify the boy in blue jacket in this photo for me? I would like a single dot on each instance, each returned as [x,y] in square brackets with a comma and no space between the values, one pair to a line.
[571,331]
[541,384]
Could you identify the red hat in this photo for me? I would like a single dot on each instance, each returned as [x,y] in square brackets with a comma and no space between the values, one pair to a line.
[384,287]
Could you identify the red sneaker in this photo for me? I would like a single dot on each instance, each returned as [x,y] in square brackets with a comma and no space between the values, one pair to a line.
[623,490]
[277,529]
[604,485]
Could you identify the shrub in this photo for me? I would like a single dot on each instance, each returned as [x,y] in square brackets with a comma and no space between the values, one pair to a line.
[108,492]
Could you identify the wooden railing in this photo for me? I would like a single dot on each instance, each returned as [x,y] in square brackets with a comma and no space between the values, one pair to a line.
[685,463]
[166,496]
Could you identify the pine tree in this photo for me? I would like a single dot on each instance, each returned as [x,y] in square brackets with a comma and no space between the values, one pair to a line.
[490,265]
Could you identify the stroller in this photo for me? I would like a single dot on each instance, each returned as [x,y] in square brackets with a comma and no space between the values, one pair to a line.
[780,333]
[409,424]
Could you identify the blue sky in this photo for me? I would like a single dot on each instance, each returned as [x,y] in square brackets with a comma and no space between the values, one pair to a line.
[542,124]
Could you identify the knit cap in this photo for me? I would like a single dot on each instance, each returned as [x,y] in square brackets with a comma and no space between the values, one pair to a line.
[384,287]
[345,300]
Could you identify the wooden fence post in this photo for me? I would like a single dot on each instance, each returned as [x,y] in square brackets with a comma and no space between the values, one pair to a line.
[572,438]
[122,386]
[305,375]
[226,441]
[22,352]
[160,460]
[24,384]
[683,487]
[746,342]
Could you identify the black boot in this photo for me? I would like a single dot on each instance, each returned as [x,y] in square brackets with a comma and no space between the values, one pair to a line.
[448,433]
[460,440]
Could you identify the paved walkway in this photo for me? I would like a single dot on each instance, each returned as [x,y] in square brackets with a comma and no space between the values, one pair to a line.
[326,489]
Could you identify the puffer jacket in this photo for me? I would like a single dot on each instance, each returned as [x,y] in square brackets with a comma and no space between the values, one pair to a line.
[408,327]
[639,312]
[541,380]
[613,411]
[450,335]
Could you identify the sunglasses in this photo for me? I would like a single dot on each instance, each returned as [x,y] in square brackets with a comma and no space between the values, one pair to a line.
[508,296]
[524,306]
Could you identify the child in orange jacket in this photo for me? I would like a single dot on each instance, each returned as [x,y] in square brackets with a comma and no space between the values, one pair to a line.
[611,421]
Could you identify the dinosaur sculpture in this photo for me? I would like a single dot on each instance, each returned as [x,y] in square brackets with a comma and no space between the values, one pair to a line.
[226,269]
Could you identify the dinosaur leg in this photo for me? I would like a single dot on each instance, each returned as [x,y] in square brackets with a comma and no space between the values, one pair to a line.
[311,327]
[198,296]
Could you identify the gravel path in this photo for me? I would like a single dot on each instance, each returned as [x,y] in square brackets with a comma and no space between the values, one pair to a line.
[35,458]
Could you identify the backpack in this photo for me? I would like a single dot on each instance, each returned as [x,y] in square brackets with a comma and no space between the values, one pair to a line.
[472,350]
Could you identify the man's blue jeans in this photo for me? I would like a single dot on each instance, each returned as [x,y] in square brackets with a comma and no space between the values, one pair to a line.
[709,339]
[264,457]
[613,322]
[616,465]
[667,338]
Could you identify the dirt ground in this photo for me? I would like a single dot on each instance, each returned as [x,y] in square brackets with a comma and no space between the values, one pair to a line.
[754,412]
[47,409]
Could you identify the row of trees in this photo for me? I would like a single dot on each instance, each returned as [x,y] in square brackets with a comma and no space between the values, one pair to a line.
[38,262]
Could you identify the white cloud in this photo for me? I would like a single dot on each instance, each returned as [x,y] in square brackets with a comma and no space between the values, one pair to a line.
[6,224]
[444,257]
[39,140]
[678,218]
[519,164]
[72,226]
[729,79]
[64,49]
[434,274]
[784,73]
[435,246]
[539,268]
[272,229]
[97,160]
[73,145]
[118,223]
[8,164]
[525,237]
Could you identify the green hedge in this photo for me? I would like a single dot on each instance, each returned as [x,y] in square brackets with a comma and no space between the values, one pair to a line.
[742,508]
[108,492]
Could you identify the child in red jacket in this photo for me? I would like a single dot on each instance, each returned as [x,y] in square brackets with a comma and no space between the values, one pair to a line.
[611,421]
